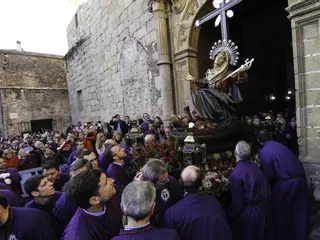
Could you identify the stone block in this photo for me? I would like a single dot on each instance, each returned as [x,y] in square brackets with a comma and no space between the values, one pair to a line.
[312,80]
[313,116]
[311,30]
[312,63]
[311,46]
[312,97]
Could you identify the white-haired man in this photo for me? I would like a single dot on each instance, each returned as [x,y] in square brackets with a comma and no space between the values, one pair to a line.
[138,203]
[249,211]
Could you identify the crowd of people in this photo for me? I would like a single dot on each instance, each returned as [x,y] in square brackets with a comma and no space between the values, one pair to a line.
[85,192]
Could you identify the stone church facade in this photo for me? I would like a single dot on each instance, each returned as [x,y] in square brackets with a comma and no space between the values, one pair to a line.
[33,92]
[132,56]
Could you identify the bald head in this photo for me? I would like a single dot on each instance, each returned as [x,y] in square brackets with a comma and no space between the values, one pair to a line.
[191,179]
[264,136]
[150,138]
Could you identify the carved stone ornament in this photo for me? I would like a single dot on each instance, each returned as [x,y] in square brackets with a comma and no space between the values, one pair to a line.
[179,5]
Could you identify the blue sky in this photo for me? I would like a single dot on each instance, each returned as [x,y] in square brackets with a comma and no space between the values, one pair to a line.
[40,25]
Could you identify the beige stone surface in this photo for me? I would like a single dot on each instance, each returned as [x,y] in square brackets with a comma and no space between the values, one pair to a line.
[32,87]
[116,65]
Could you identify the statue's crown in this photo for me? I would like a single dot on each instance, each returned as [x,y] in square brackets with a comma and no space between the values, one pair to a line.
[225,46]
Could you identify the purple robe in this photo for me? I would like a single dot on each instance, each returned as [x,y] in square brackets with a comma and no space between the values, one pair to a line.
[64,210]
[118,173]
[59,183]
[166,196]
[28,223]
[84,226]
[286,175]
[250,209]
[71,158]
[15,178]
[146,233]
[198,216]
[12,198]
[104,160]
[48,208]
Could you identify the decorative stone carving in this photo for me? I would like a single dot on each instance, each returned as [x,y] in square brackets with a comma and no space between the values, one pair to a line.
[179,5]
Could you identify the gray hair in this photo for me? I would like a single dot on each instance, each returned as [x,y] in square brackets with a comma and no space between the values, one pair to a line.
[137,199]
[152,169]
[243,150]
[78,164]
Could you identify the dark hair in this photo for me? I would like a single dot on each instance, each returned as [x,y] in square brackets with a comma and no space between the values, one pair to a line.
[192,185]
[79,163]
[50,164]
[264,136]
[33,183]
[3,201]
[85,152]
[83,186]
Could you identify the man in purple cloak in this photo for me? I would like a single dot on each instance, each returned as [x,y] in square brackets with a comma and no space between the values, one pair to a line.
[99,216]
[197,215]
[116,169]
[24,223]
[169,191]
[138,203]
[65,207]
[286,176]
[250,210]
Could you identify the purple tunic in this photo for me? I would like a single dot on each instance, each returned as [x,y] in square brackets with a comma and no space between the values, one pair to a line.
[14,176]
[167,196]
[48,208]
[64,210]
[117,173]
[198,216]
[104,160]
[71,158]
[148,233]
[63,179]
[12,198]
[250,210]
[87,227]
[286,175]
[28,223]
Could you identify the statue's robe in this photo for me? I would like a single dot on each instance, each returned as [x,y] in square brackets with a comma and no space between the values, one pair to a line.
[166,196]
[198,216]
[28,223]
[85,226]
[286,176]
[250,209]
[148,232]
[64,210]
[214,106]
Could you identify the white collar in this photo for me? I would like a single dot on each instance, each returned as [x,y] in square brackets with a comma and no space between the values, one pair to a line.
[119,164]
[96,214]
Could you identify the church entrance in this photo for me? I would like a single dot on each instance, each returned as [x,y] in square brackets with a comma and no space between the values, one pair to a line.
[41,125]
[262,31]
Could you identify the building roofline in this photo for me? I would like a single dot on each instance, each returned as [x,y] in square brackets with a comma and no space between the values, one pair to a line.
[33,54]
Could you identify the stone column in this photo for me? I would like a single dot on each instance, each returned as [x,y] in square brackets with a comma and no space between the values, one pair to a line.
[159,9]
[305,19]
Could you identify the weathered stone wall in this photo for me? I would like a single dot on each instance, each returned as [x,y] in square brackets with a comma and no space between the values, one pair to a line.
[112,61]
[32,87]
[305,18]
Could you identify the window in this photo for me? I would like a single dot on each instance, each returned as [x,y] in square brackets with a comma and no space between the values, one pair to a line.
[80,101]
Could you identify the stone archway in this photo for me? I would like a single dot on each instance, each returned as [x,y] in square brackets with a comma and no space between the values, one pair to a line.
[185,40]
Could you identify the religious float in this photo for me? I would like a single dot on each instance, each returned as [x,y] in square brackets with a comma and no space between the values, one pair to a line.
[209,129]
